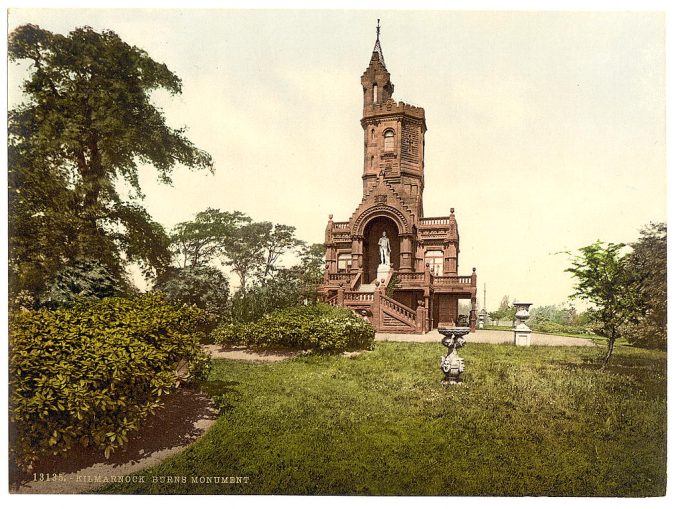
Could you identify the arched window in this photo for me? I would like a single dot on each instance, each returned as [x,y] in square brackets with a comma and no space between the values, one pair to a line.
[389,140]
[375,93]
[436,261]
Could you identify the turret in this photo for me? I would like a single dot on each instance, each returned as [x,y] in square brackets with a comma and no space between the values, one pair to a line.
[394,135]
[376,79]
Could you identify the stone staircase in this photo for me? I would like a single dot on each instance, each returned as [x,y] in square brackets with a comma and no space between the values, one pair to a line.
[386,314]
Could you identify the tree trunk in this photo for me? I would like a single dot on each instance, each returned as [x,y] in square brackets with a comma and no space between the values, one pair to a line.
[610,350]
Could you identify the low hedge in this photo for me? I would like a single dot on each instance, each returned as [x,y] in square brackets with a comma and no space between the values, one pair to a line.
[90,374]
[321,328]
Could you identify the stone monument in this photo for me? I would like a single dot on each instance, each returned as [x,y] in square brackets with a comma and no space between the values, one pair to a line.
[521,330]
[385,252]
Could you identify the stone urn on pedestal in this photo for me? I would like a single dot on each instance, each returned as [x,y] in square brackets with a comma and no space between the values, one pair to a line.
[452,365]
[521,330]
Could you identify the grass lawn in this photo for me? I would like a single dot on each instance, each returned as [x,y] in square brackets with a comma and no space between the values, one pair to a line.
[527,421]
[594,337]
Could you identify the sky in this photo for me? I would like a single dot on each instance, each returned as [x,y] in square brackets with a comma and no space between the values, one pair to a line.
[546,130]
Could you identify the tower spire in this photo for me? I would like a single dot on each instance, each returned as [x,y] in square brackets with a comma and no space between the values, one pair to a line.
[377,49]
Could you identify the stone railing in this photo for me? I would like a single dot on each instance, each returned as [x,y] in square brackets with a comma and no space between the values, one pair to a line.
[452,280]
[399,308]
[341,226]
[427,221]
[333,301]
[342,277]
[415,277]
[358,296]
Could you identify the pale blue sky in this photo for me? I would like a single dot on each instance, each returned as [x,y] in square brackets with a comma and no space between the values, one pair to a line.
[546,131]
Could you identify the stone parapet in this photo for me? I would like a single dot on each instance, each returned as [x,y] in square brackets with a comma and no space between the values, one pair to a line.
[391,107]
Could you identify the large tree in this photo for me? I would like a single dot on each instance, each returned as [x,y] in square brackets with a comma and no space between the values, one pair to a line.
[85,126]
[254,251]
[201,240]
[649,270]
[603,279]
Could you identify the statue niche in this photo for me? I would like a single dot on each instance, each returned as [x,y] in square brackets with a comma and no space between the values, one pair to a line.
[375,246]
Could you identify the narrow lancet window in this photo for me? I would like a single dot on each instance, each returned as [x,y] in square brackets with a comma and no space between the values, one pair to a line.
[389,140]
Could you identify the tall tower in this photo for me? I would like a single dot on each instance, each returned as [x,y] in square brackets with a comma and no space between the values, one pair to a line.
[394,135]
[422,265]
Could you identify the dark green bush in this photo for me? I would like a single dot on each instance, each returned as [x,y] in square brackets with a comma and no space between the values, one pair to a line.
[84,279]
[91,373]
[320,327]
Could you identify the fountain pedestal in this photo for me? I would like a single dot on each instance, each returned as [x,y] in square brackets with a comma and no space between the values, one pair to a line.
[452,365]
[522,332]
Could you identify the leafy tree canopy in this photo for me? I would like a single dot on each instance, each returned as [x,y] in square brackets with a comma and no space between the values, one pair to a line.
[85,126]
[199,241]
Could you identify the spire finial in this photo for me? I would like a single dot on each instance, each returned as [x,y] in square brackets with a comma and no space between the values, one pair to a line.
[377,48]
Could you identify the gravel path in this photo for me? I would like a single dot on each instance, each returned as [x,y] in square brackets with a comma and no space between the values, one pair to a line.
[488,336]
[241,353]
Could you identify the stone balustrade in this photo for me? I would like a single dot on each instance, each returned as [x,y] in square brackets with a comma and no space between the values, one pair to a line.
[428,221]
[358,296]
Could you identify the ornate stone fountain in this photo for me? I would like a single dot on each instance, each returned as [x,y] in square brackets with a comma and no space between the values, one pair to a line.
[452,364]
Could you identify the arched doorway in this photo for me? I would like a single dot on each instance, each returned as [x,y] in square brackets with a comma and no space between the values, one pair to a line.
[372,233]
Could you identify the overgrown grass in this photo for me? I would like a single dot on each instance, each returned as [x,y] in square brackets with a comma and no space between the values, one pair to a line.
[527,421]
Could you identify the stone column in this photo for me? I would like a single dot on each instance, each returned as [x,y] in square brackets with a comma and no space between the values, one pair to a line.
[419,265]
[375,307]
[428,303]
[421,318]
[472,320]
[357,252]
[405,253]
[428,276]
[449,259]
[341,295]
[329,229]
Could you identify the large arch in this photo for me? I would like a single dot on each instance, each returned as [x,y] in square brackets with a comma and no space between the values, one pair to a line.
[372,232]
[381,211]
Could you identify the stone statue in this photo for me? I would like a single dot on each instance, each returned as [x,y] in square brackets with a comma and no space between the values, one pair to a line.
[384,245]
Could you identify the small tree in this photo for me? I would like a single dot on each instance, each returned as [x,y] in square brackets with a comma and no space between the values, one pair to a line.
[603,279]
[505,311]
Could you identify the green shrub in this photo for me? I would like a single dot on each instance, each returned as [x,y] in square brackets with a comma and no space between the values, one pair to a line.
[84,279]
[320,327]
[91,373]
